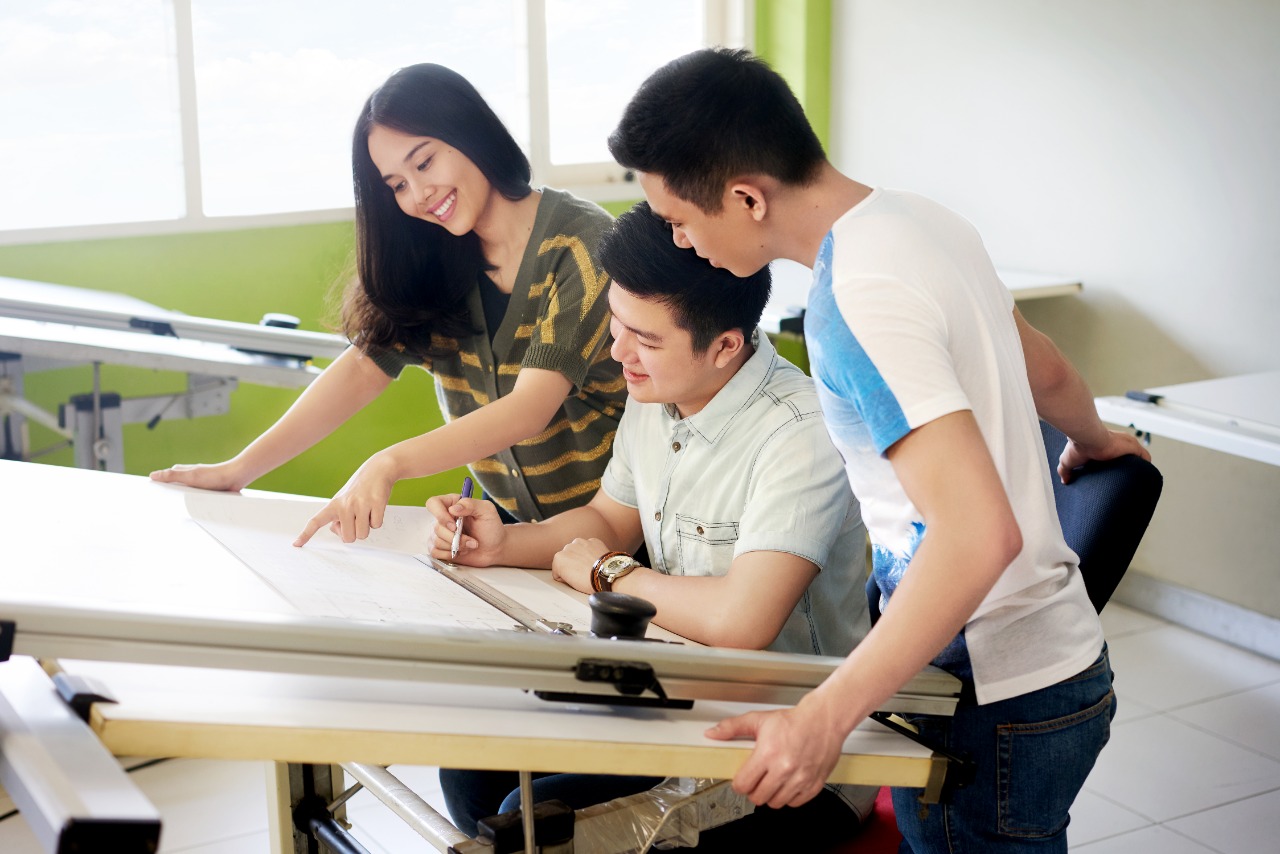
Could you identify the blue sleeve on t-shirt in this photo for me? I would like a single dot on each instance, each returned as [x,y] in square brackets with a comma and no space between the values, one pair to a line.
[841,364]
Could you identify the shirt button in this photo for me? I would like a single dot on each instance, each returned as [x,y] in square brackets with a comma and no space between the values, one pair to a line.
[657,517]
[700,531]
[675,446]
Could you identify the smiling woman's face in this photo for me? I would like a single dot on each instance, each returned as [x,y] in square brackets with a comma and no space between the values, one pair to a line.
[431,180]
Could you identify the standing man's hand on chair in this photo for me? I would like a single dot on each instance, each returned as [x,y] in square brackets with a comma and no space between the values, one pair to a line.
[1117,444]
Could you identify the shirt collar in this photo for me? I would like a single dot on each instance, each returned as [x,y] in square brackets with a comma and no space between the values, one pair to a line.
[735,396]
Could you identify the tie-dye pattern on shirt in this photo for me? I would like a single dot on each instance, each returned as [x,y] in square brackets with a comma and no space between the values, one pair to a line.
[887,568]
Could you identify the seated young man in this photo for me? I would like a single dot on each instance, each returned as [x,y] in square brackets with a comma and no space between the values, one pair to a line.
[723,468]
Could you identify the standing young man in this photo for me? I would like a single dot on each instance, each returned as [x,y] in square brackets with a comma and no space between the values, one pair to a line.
[931,383]
[723,469]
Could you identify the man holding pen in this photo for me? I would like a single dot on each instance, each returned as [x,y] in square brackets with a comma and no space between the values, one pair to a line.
[723,468]
[457,533]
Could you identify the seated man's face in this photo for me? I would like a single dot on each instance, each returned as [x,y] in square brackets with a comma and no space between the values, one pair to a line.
[657,356]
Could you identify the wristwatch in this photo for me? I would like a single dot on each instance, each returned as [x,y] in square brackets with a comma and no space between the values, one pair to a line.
[609,568]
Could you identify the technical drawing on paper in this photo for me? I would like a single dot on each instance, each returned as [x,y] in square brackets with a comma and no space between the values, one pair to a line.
[329,578]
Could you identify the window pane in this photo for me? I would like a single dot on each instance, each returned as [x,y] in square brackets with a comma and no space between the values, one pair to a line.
[90,132]
[279,86]
[598,54]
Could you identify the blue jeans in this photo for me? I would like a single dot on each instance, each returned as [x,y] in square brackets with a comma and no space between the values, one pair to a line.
[1032,754]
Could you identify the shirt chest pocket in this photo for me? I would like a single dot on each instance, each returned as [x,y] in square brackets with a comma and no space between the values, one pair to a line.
[706,548]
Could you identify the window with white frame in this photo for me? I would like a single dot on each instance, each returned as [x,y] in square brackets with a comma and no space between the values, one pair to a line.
[169,115]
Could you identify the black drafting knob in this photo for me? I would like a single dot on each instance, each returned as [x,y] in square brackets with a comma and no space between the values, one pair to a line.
[277,319]
[617,615]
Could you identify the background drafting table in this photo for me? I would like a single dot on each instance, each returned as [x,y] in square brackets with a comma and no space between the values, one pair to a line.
[791,290]
[1236,415]
[45,326]
[119,550]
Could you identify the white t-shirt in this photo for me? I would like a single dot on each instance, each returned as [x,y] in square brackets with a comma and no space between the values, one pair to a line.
[907,322]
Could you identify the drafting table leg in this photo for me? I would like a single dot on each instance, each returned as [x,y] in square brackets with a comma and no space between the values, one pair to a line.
[16,411]
[405,803]
[13,421]
[98,425]
[526,809]
[279,821]
[72,792]
[305,814]
[97,419]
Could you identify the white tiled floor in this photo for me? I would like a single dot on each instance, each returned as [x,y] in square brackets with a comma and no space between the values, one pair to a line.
[1193,765]
[1194,760]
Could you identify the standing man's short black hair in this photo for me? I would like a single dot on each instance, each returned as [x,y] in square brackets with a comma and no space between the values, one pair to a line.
[641,258]
[711,116]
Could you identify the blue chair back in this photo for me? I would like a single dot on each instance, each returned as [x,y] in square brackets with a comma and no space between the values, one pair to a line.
[1104,512]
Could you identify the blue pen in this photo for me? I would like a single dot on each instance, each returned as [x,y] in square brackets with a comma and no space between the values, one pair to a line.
[457,531]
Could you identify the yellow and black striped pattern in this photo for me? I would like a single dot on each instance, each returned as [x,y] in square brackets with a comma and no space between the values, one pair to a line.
[558,319]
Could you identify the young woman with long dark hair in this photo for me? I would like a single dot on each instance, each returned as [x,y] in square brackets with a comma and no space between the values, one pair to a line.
[464,269]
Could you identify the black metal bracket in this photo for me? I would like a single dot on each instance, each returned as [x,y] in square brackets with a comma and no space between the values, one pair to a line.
[80,693]
[504,834]
[155,327]
[629,678]
[960,768]
[312,817]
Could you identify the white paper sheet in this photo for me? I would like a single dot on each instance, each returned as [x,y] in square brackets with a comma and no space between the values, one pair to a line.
[376,579]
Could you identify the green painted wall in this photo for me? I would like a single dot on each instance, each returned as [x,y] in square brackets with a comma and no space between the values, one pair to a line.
[794,36]
[235,275]
[241,275]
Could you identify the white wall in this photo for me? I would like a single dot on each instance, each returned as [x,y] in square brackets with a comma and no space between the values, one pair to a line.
[1134,144]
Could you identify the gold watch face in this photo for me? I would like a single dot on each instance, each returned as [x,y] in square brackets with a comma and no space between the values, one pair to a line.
[616,564]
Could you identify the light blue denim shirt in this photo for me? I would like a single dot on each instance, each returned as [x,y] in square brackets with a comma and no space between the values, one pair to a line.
[753,471]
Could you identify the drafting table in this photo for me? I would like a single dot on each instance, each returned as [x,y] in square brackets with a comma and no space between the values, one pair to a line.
[1236,415]
[45,326]
[109,575]
[791,282]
